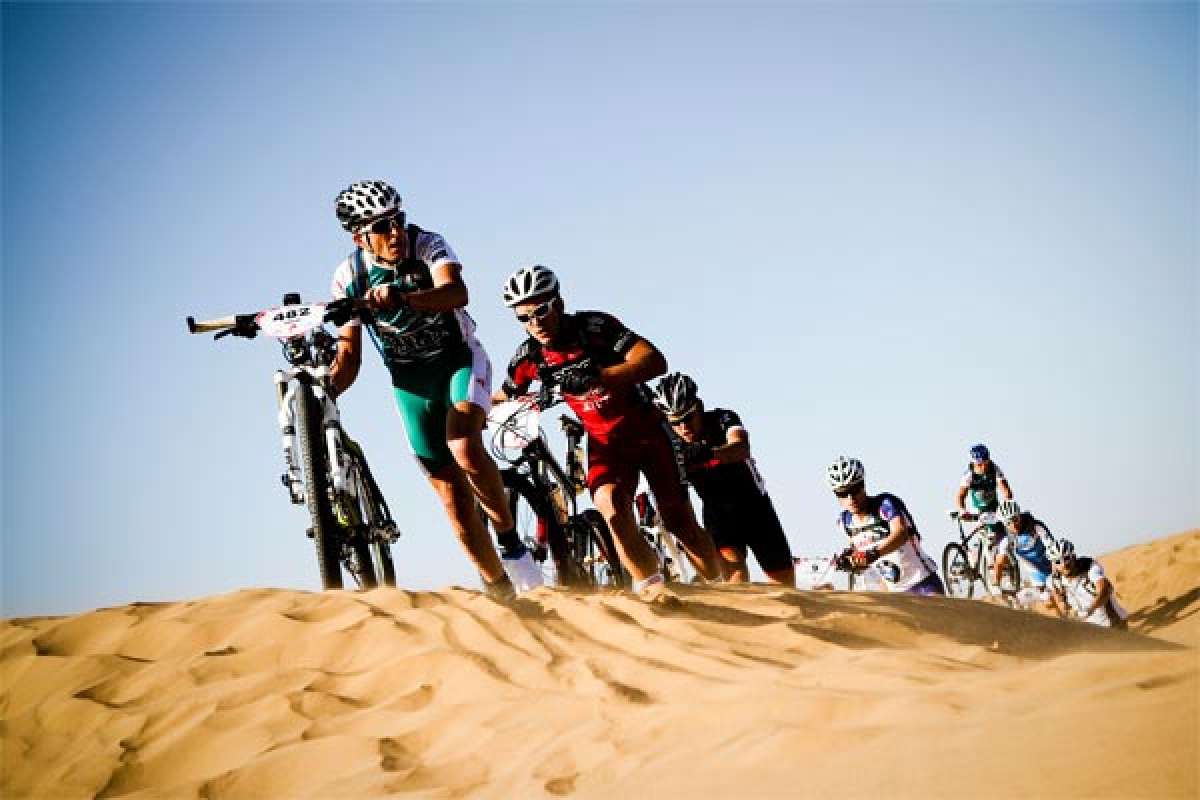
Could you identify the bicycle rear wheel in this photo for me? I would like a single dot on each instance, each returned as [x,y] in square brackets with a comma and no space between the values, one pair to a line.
[377,525]
[314,463]
[956,569]
[539,520]
[596,552]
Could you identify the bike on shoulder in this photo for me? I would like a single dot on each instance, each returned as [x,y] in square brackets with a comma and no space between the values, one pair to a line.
[543,495]
[969,560]
[325,470]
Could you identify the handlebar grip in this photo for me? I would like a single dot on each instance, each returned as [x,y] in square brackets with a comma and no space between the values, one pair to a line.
[209,325]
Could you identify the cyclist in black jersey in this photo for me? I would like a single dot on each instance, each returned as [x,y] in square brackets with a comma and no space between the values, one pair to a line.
[715,451]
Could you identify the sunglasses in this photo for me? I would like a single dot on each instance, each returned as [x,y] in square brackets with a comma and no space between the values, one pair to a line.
[538,312]
[680,420]
[849,490]
[384,225]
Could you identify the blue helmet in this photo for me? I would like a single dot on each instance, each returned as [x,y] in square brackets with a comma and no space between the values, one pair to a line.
[980,453]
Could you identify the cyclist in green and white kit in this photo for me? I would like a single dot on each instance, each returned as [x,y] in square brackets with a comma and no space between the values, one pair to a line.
[984,484]
[412,281]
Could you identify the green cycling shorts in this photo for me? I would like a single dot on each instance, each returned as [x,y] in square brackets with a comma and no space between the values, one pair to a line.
[426,392]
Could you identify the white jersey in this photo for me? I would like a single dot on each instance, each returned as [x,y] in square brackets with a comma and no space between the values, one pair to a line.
[904,567]
[1080,592]
[429,247]
[406,335]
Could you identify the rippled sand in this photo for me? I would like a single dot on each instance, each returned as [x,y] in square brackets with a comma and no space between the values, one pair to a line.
[743,692]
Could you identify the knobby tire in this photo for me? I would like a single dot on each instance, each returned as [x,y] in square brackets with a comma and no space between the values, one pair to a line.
[314,464]
[601,540]
[954,553]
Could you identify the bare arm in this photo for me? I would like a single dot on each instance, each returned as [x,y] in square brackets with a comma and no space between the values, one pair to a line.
[448,293]
[1005,490]
[736,447]
[898,533]
[1103,590]
[961,498]
[348,359]
[1059,602]
[642,362]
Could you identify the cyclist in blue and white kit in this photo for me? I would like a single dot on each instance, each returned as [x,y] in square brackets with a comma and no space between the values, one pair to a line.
[1030,539]
[881,532]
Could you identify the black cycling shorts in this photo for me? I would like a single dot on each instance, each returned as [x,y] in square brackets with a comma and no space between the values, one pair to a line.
[754,526]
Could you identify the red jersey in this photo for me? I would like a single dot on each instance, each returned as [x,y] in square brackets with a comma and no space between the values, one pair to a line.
[585,335]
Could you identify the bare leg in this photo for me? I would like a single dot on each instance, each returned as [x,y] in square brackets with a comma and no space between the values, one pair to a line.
[455,492]
[680,520]
[733,564]
[785,576]
[464,423]
[616,506]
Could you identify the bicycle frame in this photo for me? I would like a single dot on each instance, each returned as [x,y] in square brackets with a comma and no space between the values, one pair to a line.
[535,474]
[979,552]
[349,513]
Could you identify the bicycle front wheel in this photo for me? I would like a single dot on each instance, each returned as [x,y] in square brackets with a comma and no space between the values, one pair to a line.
[538,520]
[314,463]
[956,569]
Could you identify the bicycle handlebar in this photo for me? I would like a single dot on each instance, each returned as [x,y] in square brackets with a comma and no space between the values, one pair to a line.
[338,312]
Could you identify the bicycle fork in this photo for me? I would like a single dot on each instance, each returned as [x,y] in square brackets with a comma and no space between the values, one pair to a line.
[287,385]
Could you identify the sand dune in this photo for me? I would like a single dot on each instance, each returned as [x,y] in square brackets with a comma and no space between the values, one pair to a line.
[743,692]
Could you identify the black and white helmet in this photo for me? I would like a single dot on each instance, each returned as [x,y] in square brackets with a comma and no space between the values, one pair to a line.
[845,472]
[675,395]
[1008,511]
[528,283]
[360,204]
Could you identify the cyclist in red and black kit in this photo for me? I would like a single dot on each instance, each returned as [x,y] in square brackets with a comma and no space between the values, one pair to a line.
[737,509]
[600,365]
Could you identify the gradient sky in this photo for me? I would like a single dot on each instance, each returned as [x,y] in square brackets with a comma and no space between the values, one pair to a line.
[884,230]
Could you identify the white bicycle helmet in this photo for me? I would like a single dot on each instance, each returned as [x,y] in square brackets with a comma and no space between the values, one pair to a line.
[528,283]
[1060,550]
[676,396]
[845,472]
[361,203]
[1008,511]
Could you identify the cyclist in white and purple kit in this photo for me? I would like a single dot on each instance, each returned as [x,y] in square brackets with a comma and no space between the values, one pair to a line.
[881,532]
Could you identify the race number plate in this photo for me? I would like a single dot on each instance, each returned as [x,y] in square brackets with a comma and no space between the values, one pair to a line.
[286,322]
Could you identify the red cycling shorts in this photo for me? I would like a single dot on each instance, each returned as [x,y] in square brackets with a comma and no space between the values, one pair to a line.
[642,448]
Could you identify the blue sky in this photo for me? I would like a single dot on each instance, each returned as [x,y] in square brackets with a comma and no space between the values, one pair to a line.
[885,230]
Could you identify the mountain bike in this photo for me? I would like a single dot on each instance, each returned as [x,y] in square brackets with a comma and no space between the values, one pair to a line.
[818,573]
[969,559]
[325,470]
[542,495]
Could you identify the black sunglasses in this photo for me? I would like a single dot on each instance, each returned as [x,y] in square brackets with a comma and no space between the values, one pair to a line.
[849,490]
[538,312]
[384,225]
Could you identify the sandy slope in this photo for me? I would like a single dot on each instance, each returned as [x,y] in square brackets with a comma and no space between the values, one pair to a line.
[745,692]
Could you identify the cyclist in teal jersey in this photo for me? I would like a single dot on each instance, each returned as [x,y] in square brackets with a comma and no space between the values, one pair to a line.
[412,282]
[984,484]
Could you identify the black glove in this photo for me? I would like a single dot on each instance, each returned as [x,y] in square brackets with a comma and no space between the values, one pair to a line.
[545,396]
[697,453]
[579,378]
[341,311]
[842,561]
